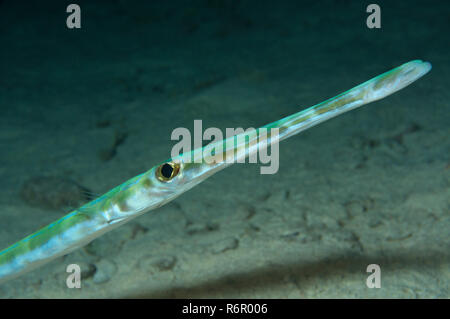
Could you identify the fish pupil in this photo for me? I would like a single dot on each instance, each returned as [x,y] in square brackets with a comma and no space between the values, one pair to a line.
[167,170]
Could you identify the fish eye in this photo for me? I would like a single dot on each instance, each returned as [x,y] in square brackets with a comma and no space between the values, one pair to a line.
[167,171]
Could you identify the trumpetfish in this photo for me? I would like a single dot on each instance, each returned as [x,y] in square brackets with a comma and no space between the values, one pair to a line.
[164,182]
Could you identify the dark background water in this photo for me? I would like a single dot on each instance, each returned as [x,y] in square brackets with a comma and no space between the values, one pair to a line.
[130,50]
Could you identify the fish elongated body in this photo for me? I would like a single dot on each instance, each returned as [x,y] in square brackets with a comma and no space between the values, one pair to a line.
[170,179]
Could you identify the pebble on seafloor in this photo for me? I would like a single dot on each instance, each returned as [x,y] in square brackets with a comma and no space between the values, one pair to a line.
[224,245]
[106,269]
[54,192]
[161,263]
